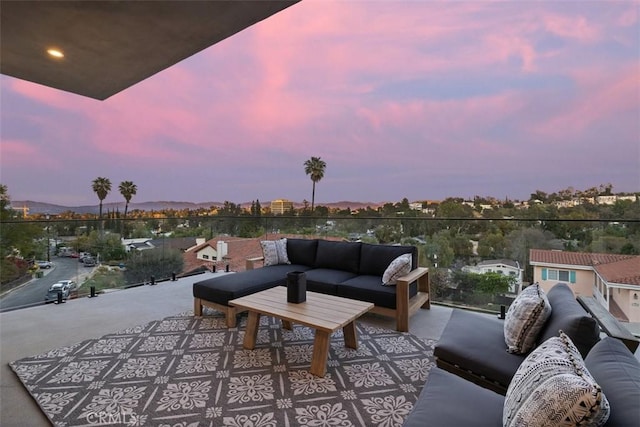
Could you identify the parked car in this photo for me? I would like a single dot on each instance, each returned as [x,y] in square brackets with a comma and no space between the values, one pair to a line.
[89,261]
[44,264]
[71,284]
[52,293]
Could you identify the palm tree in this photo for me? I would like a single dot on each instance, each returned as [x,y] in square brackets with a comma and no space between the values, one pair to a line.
[128,189]
[101,186]
[314,167]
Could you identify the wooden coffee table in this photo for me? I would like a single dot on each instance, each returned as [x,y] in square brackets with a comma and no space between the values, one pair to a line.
[324,313]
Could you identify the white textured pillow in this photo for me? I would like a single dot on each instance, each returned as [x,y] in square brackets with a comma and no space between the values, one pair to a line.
[397,268]
[275,252]
[552,387]
[525,319]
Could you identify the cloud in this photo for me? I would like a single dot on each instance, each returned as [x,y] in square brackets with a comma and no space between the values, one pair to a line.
[426,97]
[573,27]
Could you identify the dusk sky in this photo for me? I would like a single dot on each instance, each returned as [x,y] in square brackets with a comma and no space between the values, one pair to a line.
[415,99]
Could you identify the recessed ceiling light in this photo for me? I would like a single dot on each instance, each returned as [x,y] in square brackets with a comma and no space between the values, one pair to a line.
[56,53]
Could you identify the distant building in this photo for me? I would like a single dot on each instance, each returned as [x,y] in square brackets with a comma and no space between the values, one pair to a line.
[281,206]
[614,280]
[207,252]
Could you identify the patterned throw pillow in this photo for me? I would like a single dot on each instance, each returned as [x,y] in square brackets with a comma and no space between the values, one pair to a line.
[274,252]
[525,319]
[552,387]
[399,267]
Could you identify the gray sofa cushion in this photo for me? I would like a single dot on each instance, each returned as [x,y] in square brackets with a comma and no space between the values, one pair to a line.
[334,255]
[221,289]
[370,289]
[302,251]
[448,400]
[374,259]
[617,371]
[569,316]
[475,342]
[325,280]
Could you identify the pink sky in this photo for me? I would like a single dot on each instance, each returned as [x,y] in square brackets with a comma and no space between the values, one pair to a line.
[415,99]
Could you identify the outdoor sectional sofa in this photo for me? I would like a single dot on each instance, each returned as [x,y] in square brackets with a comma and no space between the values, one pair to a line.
[449,400]
[346,269]
[474,370]
[473,346]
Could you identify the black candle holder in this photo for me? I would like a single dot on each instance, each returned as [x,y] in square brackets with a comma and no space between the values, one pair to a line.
[296,287]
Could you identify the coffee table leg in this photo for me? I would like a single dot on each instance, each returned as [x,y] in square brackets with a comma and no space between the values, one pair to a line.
[251,334]
[320,353]
[287,325]
[350,335]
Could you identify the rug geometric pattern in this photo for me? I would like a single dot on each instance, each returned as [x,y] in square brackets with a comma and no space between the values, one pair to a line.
[187,371]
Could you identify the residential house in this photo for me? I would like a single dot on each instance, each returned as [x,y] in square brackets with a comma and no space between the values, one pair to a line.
[138,244]
[505,267]
[614,280]
[223,251]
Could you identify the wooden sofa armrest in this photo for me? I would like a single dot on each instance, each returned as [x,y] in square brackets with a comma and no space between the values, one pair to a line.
[250,263]
[609,324]
[414,275]
[406,306]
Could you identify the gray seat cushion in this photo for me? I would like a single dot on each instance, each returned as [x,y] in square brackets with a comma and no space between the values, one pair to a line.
[325,280]
[222,289]
[448,400]
[370,289]
[475,342]
[617,372]
[568,316]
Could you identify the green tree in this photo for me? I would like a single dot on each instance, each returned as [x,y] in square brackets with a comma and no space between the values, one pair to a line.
[495,283]
[439,282]
[314,167]
[101,186]
[520,241]
[480,288]
[16,238]
[128,189]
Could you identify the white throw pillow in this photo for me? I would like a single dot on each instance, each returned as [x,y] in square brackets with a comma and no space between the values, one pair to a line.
[553,388]
[275,252]
[525,319]
[399,267]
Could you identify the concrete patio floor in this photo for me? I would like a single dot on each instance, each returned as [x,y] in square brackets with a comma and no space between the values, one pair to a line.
[31,331]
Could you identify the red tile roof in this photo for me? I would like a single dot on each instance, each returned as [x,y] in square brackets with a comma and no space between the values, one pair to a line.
[625,272]
[614,268]
[238,250]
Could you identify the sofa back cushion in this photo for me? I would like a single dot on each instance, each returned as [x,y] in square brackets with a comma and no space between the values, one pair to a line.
[617,371]
[374,259]
[302,251]
[568,316]
[334,255]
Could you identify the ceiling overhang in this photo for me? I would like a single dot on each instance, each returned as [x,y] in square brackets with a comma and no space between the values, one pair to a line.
[109,46]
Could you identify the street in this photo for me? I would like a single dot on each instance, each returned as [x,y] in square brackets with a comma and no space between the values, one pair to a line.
[33,292]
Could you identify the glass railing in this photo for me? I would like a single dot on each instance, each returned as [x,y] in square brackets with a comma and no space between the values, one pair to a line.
[458,251]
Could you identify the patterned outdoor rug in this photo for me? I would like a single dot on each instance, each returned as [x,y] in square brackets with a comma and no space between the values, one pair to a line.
[191,371]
